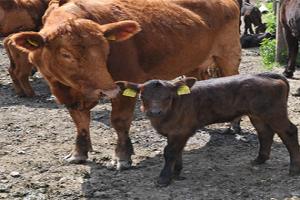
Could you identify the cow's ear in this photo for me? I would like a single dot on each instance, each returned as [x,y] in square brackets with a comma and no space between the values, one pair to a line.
[183,86]
[120,31]
[128,89]
[28,41]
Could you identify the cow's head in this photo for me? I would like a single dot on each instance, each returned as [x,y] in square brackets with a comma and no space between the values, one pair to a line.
[14,18]
[75,53]
[157,95]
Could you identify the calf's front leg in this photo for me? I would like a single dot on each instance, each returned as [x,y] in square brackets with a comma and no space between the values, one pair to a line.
[173,159]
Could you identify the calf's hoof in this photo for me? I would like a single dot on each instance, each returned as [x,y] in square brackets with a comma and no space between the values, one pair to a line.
[288,74]
[120,164]
[75,159]
[163,182]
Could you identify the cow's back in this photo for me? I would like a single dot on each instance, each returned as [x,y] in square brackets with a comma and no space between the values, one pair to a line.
[173,32]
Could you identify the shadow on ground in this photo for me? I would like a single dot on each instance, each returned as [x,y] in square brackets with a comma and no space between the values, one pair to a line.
[219,170]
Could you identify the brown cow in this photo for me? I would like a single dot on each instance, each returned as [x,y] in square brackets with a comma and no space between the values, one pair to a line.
[134,40]
[177,112]
[20,67]
[21,15]
[290,19]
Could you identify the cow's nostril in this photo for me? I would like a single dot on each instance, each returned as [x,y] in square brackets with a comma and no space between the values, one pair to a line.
[154,113]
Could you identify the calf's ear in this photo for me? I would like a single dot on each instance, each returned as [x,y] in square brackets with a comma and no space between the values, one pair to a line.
[190,81]
[183,86]
[28,41]
[128,89]
[120,31]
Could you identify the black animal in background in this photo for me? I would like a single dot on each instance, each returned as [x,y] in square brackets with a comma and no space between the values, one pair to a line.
[252,15]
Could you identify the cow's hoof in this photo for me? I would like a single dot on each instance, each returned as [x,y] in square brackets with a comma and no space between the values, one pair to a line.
[259,160]
[297,93]
[294,170]
[120,164]
[163,182]
[288,74]
[75,159]
[178,178]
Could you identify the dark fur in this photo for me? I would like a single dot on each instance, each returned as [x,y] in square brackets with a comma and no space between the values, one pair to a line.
[254,40]
[252,15]
[262,97]
[290,19]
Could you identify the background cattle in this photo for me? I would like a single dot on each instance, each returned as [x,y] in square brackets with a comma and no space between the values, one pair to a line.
[290,19]
[20,68]
[21,15]
[252,15]
[85,45]
[254,40]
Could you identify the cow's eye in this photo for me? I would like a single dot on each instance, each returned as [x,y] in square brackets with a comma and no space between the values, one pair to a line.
[65,54]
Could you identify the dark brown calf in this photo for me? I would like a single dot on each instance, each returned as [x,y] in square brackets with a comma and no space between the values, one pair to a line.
[262,97]
[290,19]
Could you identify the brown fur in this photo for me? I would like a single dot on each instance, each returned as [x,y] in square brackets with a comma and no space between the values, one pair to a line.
[262,97]
[20,67]
[21,15]
[85,45]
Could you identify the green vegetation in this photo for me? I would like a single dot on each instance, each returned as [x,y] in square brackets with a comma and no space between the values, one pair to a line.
[268,46]
[267,52]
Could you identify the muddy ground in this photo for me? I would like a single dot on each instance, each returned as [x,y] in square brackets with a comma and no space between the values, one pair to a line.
[36,134]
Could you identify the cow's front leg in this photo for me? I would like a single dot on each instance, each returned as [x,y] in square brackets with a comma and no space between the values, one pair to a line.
[83,141]
[292,43]
[121,117]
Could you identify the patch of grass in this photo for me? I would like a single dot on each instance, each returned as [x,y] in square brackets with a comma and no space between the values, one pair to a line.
[268,46]
[267,52]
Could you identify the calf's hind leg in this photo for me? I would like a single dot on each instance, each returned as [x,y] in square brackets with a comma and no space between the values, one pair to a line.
[288,133]
[265,137]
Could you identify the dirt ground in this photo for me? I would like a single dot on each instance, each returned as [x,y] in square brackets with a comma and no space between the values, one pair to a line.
[36,134]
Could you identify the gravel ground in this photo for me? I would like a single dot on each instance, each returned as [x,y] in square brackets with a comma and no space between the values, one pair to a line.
[36,134]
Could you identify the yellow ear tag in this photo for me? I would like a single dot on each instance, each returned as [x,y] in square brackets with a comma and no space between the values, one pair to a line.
[111,38]
[129,93]
[32,43]
[182,90]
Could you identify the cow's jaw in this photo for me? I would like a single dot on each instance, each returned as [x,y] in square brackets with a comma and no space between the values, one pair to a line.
[109,93]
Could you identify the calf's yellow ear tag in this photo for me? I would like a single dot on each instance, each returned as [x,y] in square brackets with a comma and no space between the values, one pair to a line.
[129,92]
[182,90]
